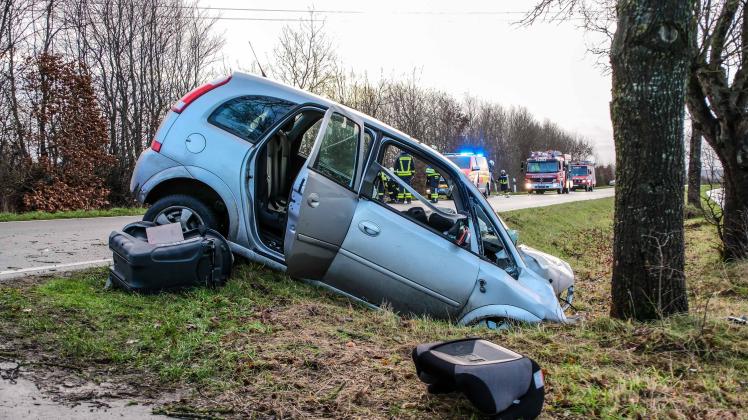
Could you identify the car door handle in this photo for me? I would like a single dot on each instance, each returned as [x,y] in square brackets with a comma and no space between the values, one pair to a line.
[369,228]
[313,200]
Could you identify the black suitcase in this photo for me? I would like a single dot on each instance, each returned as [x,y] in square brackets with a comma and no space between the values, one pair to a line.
[498,381]
[203,258]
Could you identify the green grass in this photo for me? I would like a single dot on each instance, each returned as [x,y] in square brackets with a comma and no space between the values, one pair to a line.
[43,215]
[266,345]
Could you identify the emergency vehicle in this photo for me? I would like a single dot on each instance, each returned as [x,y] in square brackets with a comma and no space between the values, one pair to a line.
[547,171]
[583,175]
[475,166]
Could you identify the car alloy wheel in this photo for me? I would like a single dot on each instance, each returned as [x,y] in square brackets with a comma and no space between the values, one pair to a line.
[187,217]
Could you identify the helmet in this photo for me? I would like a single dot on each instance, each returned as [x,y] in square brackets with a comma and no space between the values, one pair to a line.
[490,162]
[503,172]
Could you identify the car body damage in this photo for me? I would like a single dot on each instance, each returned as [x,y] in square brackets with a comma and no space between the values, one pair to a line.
[330,195]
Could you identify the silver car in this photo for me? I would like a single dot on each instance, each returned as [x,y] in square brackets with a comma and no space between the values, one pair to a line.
[302,184]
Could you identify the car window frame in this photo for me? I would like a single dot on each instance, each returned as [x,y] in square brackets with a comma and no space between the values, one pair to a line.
[385,139]
[357,173]
[503,235]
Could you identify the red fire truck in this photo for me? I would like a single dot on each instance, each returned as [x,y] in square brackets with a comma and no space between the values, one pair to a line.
[583,175]
[547,171]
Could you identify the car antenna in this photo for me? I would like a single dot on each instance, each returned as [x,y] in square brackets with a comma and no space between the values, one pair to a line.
[258,61]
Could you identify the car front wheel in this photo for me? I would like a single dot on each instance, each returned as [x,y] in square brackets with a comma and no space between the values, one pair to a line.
[493,323]
[188,211]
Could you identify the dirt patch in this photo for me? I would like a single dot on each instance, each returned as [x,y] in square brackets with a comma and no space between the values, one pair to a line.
[35,384]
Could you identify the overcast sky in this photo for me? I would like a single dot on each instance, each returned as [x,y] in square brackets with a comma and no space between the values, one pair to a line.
[466,47]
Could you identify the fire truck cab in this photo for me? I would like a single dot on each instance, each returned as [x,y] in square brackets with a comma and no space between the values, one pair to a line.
[583,175]
[547,171]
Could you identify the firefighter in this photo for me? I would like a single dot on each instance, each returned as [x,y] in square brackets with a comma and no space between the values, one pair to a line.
[384,183]
[405,171]
[491,177]
[392,187]
[504,183]
[432,180]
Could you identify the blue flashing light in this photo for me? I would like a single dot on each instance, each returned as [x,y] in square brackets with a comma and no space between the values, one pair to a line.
[468,152]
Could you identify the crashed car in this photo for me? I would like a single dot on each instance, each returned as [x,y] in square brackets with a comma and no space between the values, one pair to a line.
[299,183]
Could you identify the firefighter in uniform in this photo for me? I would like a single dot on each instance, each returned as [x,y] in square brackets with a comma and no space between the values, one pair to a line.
[504,183]
[432,179]
[405,171]
[384,183]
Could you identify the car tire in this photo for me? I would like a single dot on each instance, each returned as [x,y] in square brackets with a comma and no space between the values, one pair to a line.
[173,208]
[496,323]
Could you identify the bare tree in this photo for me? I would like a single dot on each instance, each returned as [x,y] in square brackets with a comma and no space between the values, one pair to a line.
[718,103]
[717,94]
[694,169]
[304,56]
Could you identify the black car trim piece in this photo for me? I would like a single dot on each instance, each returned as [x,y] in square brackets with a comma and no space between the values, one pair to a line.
[316,242]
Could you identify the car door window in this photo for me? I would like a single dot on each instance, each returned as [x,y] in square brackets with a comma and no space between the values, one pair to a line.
[338,150]
[432,187]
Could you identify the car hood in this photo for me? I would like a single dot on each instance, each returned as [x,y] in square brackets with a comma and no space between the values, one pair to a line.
[548,267]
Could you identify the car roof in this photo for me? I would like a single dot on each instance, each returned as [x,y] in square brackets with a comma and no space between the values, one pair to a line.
[293,94]
[284,91]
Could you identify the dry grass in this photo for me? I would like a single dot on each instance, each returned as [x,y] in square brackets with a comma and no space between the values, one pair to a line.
[267,346]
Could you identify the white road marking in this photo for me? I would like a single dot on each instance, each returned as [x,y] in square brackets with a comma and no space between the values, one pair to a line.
[54,267]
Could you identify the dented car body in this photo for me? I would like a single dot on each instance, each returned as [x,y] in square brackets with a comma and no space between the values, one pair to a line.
[294,181]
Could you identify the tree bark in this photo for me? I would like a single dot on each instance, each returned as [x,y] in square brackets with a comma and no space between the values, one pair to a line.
[650,62]
[694,169]
[735,190]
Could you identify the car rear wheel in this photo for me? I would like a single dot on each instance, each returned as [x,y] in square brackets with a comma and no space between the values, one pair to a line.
[190,212]
[493,323]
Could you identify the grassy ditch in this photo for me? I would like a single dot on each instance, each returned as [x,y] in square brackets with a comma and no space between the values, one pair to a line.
[268,345]
[72,214]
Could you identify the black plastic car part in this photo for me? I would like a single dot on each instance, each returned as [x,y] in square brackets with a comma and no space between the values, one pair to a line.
[497,381]
[203,258]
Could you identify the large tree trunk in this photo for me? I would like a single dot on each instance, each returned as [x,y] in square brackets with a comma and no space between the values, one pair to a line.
[694,169]
[649,58]
[735,185]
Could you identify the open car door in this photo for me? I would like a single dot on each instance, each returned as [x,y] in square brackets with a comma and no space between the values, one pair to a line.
[323,197]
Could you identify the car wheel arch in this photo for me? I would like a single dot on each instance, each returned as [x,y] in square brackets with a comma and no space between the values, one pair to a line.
[498,311]
[203,192]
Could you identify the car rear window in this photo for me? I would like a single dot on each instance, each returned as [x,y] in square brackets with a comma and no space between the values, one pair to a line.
[463,162]
[250,117]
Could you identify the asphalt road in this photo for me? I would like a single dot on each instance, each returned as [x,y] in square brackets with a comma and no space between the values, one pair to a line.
[39,246]
[44,246]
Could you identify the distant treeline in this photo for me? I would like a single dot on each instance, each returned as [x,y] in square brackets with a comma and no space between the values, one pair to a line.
[84,85]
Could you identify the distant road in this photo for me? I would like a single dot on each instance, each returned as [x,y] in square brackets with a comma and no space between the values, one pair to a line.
[526,201]
[45,246]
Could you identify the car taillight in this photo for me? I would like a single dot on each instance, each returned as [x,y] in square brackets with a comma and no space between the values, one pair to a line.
[198,92]
[155,146]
